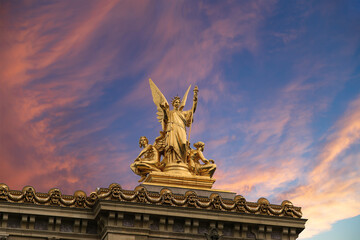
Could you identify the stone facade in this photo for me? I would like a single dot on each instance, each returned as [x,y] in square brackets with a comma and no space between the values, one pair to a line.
[113,213]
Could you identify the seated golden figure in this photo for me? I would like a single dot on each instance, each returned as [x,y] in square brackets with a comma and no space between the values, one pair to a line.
[147,161]
[206,169]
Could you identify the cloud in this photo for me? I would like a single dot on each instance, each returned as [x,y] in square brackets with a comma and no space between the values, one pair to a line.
[74,89]
[279,158]
[45,81]
[332,188]
[191,47]
[267,149]
[59,59]
[253,182]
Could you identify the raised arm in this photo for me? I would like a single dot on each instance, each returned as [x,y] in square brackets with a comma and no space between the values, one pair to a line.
[195,99]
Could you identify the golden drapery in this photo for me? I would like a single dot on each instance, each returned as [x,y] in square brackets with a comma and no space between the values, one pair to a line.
[175,128]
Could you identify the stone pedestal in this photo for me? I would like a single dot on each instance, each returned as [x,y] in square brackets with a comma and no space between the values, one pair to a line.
[177,168]
[179,180]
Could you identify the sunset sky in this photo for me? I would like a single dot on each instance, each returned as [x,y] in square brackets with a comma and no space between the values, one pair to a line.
[279,96]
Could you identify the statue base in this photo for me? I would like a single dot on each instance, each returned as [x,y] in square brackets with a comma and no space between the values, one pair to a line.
[172,179]
[177,169]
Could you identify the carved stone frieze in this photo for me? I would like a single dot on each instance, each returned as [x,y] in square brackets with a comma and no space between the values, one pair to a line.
[165,197]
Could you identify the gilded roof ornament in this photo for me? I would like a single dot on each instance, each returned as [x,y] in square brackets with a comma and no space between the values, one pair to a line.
[171,156]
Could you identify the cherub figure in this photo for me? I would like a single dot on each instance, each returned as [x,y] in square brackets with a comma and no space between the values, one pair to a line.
[206,169]
[147,161]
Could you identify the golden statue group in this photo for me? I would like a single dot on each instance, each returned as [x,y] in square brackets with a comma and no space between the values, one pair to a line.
[171,152]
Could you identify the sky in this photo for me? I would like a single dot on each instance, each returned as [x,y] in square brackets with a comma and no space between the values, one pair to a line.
[278,109]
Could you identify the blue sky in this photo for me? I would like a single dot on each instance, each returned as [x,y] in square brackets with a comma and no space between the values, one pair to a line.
[279,99]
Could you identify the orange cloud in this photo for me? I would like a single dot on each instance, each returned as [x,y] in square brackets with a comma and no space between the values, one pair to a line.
[328,196]
[58,59]
[281,130]
[254,182]
[272,155]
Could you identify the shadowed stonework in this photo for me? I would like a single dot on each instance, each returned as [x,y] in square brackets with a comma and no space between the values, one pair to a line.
[115,213]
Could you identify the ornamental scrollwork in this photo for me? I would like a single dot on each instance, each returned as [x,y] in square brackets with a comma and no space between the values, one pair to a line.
[29,194]
[114,192]
[4,191]
[216,202]
[191,199]
[288,210]
[166,197]
[240,204]
[54,197]
[141,195]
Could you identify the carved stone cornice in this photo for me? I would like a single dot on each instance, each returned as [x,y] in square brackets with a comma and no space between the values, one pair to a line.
[140,195]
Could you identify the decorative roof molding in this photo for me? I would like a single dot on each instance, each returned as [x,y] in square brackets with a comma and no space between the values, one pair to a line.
[140,195]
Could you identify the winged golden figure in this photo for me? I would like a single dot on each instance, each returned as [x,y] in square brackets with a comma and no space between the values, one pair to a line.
[174,123]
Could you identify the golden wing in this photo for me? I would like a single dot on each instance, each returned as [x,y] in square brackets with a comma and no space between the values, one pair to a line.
[183,100]
[158,99]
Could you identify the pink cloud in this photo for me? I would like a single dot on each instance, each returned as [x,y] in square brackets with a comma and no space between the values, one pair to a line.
[255,182]
[347,132]
[41,142]
[51,39]
[327,196]
[328,193]
[271,157]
